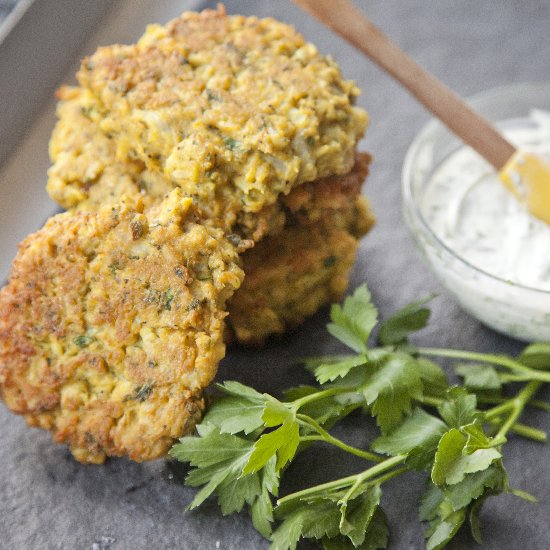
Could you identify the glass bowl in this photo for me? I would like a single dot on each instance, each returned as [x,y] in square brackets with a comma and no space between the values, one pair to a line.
[510,308]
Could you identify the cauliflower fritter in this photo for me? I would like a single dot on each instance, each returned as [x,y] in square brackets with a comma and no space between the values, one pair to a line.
[332,198]
[112,324]
[289,276]
[292,273]
[234,110]
[314,201]
[87,175]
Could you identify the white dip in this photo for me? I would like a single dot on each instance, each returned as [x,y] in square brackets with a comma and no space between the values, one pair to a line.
[476,217]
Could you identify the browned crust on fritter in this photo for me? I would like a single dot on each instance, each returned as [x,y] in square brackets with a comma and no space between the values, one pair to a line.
[234,110]
[87,175]
[112,324]
[291,275]
[331,198]
[308,203]
[316,200]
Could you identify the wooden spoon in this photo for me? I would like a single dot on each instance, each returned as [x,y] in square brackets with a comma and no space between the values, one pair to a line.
[526,175]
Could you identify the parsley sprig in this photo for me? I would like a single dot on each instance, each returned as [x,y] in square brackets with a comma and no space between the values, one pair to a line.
[453,433]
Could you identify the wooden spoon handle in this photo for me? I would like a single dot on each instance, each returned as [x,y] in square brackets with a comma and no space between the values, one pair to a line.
[350,23]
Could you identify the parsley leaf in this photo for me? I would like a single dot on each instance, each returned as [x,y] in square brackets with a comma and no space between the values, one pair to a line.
[397,328]
[219,460]
[261,513]
[376,536]
[434,379]
[282,442]
[240,411]
[444,528]
[390,385]
[536,356]
[444,521]
[479,377]
[313,519]
[459,407]
[452,461]
[330,371]
[475,484]
[233,492]
[430,502]
[447,508]
[261,510]
[420,432]
[353,322]
[357,514]
[340,521]
[475,527]
[240,390]
[475,437]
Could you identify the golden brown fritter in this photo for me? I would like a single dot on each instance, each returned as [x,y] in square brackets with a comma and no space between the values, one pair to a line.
[233,110]
[292,273]
[112,324]
[311,202]
[87,175]
[289,276]
[332,198]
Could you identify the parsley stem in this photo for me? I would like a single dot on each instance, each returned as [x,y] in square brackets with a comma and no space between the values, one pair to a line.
[431,401]
[378,481]
[529,432]
[343,482]
[505,377]
[497,411]
[391,475]
[326,436]
[493,416]
[367,475]
[306,438]
[317,396]
[519,402]
[499,360]
[539,404]
[525,431]
[536,403]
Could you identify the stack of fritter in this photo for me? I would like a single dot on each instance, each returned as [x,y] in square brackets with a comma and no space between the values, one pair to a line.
[211,137]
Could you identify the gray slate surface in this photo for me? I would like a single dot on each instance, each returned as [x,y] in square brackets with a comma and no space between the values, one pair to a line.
[48,501]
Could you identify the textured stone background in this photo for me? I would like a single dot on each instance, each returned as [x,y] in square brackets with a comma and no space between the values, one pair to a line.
[48,501]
